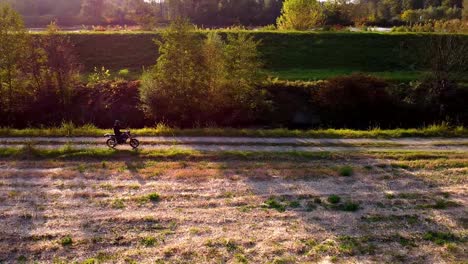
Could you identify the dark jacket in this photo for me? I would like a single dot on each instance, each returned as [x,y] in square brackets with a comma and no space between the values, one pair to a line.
[117,130]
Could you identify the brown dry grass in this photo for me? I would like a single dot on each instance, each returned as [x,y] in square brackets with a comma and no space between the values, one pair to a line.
[411,209]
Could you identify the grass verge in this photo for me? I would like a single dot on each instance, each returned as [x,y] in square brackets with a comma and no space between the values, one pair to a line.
[68,130]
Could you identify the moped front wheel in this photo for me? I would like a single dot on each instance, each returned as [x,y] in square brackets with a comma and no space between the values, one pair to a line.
[134,143]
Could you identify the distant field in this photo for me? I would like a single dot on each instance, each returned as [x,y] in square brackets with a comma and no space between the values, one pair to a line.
[287,55]
[322,74]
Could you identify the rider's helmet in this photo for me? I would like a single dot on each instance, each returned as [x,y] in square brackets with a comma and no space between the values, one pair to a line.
[117,123]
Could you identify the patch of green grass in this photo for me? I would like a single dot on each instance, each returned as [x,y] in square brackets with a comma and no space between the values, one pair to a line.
[66,241]
[349,206]
[241,258]
[273,203]
[304,74]
[294,204]
[346,171]
[284,260]
[81,168]
[334,199]
[231,245]
[325,247]
[442,204]
[118,204]
[149,241]
[152,197]
[404,241]
[440,238]
[411,219]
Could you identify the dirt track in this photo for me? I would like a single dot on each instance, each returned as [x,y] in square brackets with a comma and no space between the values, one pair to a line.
[252,144]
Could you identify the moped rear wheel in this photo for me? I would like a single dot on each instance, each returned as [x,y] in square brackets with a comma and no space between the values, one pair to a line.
[111,142]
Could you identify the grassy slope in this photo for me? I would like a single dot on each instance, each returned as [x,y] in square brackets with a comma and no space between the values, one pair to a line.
[432,131]
[287,55]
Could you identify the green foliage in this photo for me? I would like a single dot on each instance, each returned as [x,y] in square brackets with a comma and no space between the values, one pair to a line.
[300,15]
[410,16]
[273,203]
[66,241]
[334,199]
[53,71]
[214,79]
[149,241]
[118,204]
[13,46]
[349,206]
[440,238]
[124,73]
[356,100]
[346,171]
[99,75]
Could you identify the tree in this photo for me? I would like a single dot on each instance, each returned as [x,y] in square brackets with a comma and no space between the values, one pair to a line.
[171,90]
[301,15]
[53,72]
[465,10]
[447,58]
[410,16]
[62,65]
[13,44]
[199,81]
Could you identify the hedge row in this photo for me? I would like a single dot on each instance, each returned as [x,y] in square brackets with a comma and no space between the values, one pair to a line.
[357,102]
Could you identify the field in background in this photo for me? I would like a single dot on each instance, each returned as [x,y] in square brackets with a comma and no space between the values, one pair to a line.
[392,207]
[287,55]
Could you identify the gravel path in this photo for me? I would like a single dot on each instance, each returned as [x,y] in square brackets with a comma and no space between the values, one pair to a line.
[246,140]
[253,144]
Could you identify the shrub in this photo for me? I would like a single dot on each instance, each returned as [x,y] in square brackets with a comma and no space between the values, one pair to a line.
[282,112]
[358,101]
[103,102]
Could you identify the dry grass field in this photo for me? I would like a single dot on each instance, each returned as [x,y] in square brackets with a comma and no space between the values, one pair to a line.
[369,207]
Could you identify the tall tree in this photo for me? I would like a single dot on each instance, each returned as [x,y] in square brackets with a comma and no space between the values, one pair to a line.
[301,15]
[13,44]
[465,10]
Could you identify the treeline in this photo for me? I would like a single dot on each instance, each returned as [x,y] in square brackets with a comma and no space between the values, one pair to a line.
[202,80]
[224,13]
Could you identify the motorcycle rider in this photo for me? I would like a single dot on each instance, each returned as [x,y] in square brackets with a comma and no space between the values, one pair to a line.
[117,132]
